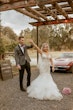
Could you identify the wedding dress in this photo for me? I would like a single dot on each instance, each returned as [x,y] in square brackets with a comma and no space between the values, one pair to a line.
[44,87]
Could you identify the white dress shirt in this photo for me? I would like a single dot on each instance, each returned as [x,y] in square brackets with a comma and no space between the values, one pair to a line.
[22,47]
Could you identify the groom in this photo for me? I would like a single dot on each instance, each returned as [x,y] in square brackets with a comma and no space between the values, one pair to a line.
[23,61]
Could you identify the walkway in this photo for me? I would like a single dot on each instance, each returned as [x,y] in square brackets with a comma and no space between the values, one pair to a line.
[11,98]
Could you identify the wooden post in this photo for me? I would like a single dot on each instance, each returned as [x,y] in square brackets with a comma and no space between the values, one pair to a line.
[37,43]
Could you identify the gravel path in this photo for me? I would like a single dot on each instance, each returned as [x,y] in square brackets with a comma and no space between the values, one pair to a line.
[11,98]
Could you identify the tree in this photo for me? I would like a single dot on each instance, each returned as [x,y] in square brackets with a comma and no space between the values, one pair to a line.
[43,34]
[7,31]
[59,37]
[9,38]
[2,49]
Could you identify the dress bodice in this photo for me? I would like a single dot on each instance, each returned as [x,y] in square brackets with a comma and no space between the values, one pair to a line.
[44,63]
[46,56]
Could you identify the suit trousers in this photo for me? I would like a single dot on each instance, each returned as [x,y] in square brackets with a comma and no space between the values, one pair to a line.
[24,67]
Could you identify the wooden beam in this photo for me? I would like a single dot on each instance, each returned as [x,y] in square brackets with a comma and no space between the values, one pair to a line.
[49,11]
[70,20]
[14,5]
[71,4]
[37,13]
[21,4]
[60,10]
[68,11]
[51,7]
[42,2]
[4,1]
[28,14]
[37,42]
[58,14]
[8,1]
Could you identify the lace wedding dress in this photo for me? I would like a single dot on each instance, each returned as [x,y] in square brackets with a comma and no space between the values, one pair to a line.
[44,87]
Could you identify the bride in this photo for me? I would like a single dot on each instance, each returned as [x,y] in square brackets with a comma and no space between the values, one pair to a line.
[44,87]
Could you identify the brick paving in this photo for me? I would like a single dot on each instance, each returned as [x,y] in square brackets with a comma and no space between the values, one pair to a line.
[11,98]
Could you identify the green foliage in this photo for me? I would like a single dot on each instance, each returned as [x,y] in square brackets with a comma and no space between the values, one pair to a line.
[11,47]
[7,31]
[59,37]
[2,49]
[9,39]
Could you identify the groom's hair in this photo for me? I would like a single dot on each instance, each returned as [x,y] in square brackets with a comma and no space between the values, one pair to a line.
[20,37]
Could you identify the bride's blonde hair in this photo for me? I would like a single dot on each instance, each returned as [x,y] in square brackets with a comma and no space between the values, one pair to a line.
[43,45]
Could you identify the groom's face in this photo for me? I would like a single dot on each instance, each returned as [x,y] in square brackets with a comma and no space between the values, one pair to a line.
[21,41]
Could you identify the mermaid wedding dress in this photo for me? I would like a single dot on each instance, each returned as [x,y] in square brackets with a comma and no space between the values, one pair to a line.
[44,87]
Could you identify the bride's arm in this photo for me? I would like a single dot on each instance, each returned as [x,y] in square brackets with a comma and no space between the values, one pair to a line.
[52,64]
[37,48]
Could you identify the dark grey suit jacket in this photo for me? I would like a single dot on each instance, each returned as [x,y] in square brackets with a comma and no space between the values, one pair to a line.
[21,57]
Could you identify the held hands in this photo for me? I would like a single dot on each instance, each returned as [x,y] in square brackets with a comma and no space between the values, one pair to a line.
[31,41]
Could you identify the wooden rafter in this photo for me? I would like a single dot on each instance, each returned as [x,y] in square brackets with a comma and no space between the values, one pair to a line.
[8,1]
[60,10]
[4,1]
[63,6]
[21,3]
[68,11]
[37,13]
[71,4]
[28,14]
[51,7]
[52,22]
[49,11]
[44,1]
[14,5]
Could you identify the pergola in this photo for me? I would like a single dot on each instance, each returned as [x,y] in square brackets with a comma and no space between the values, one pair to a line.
[58,10]
[46,12]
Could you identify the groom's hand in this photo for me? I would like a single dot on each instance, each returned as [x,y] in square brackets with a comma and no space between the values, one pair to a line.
[18,67]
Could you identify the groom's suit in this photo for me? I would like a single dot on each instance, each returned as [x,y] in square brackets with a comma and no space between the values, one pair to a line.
[22,58]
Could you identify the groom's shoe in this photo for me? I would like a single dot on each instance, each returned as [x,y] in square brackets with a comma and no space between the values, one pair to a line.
[22,89]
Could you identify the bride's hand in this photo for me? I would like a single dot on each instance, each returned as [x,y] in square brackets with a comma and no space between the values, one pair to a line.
[31,41]
[53,69]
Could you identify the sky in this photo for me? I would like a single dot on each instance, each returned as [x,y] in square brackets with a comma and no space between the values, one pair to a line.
[16,20]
